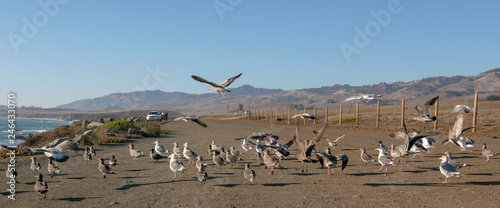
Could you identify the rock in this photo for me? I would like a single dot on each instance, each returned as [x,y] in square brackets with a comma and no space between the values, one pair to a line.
[108,120]
[135,131]
[94,124]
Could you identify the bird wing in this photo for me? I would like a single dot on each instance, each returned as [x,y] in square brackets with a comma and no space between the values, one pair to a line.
[419,110]
[457,127]
[317,137]
[288,144]
[64,145]
[344,159]
[340,137]
[353,98]
[199,79]
[300,145]
[457,108]
[429,104]
[227,82]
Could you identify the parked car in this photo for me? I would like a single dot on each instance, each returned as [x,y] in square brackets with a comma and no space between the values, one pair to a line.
[154,115]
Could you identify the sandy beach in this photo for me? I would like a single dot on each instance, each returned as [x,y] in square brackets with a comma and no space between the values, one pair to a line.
[144,183]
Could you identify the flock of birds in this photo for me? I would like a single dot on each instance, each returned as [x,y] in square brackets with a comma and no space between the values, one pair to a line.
[270,152]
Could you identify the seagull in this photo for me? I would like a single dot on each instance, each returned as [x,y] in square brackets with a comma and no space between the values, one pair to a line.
[424,114]
[92,150]
[383,159]
[159,148]
[112,161]
[215,87]
[189,154]
[216,157]
[87,155]
[199,162]
[105,169]
[327,160]
[457,108]
[455,163]
[175,165]
[35,166]
[364,97]
[248,173]
[11,173]
[270,161]
[487,153]
[155,156]
[454,135]
[304,150]
[448,170]
[52,168]
[189,118]
[334,143]
[41,186]
[231,158]
[54,153]
[302,115]
[202,174]
[246,146]
[134,152]
[177,150]
[365,157]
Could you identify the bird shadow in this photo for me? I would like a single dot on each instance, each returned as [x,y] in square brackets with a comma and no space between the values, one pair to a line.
[484,183]
[129,186]
[278,184]
[368,174]
[484,174]
[136,170]
[229,185]
[414,171]
[17,192]
[430,168]
[224,173]
[401,184]
[76,199]
[130,177]
[76,178]
[304,174]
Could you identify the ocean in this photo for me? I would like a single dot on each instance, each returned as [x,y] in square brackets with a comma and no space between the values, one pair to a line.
[25,126]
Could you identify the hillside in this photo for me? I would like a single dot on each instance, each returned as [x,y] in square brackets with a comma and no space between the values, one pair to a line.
[457,86]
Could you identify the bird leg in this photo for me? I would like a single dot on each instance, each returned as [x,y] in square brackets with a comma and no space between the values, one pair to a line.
[272,171]
[380,168]
[329,171]
[471,152]
[386,169]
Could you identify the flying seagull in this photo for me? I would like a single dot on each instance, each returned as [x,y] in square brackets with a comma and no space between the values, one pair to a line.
[54,153]
[457,108]
[364,97]
[215,87]
[423,113]
[189,118]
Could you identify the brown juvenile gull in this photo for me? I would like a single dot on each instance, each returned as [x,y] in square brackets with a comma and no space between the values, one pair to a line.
[134,152]
[487,153]
[364,97]
[270,161]
[383,159]
[41,186]
[199,162]
[92,150]
[35,166]
[424,114]
[457,164]
[189,118]
[176,150]
[189,154]
[305,149]
[457,108]
[176,166]
[248,173]
[87,155]
[11,173]
[202,174]
[54,152]
[327,160]
[105,169]
[448,170]
[112,161]
[155,156]
[52,168]
[230,158]
[215,87]
[365,157]
[216,157]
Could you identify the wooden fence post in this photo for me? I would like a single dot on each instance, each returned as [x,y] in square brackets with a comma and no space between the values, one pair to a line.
[314,114]
[436,114]
[340,116]
[474,119]
[305,111]
[378,114]
[402,112]
[326,119]
[357,114]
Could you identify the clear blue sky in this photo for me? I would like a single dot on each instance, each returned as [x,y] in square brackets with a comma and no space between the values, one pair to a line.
[87,49]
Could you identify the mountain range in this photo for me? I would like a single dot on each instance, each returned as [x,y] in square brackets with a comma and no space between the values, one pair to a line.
[456,86]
